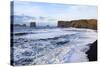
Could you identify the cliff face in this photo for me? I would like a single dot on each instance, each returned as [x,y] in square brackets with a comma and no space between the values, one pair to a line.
[90,23]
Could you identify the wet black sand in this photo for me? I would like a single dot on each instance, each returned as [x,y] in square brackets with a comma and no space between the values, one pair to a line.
[92,53]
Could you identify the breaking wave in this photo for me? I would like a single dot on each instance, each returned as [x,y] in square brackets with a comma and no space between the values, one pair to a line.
[52,46]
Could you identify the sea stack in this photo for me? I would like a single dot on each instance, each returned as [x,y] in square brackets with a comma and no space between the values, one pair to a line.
[32,24]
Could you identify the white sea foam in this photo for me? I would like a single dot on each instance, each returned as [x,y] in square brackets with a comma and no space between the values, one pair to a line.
[48,46]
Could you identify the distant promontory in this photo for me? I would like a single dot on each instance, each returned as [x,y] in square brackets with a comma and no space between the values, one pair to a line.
[82,23]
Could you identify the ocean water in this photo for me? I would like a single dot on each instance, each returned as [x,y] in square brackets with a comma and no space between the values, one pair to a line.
[51,46]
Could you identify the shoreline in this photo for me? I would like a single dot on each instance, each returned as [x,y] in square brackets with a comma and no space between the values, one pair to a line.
[92,52]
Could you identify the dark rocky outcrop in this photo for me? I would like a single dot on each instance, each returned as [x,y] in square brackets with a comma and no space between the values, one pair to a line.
[83,23]
[92,53]
[32,24]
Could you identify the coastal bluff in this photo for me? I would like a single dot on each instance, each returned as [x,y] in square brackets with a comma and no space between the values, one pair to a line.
[82,23]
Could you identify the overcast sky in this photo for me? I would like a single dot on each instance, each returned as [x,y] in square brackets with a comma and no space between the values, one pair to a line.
[49,13]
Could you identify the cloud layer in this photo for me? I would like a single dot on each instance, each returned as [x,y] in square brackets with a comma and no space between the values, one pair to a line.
[50,12]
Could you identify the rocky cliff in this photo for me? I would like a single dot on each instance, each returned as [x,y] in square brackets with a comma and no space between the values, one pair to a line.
[83,23]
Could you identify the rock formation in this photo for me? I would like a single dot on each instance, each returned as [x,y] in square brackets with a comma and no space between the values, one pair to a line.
[32,24]
[84,23]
